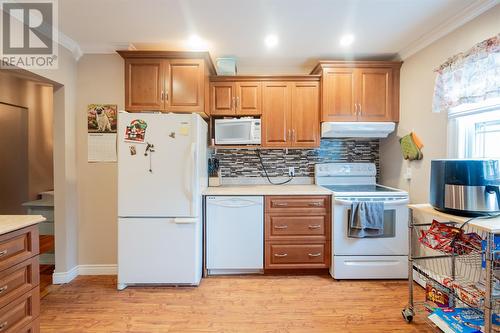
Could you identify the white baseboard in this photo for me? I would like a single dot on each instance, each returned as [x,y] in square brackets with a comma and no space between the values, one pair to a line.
[65,277]
[97,270]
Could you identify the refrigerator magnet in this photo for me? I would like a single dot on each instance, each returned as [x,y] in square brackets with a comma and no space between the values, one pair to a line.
[136,131]
[133,150]
[184,129]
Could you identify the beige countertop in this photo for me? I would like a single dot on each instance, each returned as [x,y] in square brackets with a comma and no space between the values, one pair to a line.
[267,190]
[486,224]
[10,223]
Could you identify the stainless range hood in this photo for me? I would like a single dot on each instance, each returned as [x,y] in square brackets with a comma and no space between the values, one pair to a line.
[357,129]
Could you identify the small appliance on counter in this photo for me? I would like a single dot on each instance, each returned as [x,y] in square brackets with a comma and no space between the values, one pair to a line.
[468,187]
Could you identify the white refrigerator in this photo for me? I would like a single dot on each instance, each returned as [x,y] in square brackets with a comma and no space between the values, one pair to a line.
[162,170]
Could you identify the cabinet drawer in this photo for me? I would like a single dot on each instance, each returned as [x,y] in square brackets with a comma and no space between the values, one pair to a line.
[18,279]
[17,246]
[296,255]
[304,204]
[19,313]
[296,227]
[33,327]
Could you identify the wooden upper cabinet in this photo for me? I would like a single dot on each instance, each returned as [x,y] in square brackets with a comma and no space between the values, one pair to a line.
[222,98]
[167,81]
[185,85]
[144,84]
[276,114]
[359,90]
[375,92]
[305,114]
[248,98]
[236,98]
[289,106]
[339,94]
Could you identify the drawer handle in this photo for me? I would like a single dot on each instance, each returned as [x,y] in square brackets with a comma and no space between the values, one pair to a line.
[314,254]
[280,254]
[3,252]
[280,204]
[315,204]
[314,226]
[3,325]
[4,288]
[280,226]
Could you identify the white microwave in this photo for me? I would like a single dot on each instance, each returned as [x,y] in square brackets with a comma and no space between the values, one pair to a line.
[237,131]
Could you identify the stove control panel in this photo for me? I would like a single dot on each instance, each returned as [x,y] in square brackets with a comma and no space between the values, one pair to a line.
[345,169]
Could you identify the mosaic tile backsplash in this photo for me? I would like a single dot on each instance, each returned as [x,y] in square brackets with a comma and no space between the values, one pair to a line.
[245,163]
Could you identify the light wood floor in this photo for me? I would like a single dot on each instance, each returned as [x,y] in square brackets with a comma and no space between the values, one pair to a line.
[279,304]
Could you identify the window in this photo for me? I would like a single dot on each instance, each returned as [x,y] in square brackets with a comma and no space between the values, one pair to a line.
[474,131]
[487,139]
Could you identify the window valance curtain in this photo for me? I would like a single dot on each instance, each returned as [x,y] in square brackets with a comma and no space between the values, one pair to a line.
[469,77]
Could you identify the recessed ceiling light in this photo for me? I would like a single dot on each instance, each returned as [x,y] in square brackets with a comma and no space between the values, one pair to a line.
[271,40]
[196,43]
[347,40]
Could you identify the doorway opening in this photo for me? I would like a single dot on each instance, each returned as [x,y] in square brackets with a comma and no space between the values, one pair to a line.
[27,159]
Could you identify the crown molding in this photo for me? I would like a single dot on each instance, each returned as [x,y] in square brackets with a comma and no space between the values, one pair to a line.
[69,44]
[465,15]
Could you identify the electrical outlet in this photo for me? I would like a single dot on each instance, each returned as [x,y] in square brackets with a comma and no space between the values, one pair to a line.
[407,174]
[291,171]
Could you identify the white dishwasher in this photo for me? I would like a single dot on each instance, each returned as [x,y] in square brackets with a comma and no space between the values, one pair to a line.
[234,234]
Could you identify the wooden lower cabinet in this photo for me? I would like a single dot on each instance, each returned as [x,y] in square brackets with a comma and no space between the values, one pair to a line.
[297,255]
[19,281]
[33,327]
[297,232]
[20,312]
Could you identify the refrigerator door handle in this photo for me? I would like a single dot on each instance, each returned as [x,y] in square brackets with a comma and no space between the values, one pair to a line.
[192,178]
[185,220]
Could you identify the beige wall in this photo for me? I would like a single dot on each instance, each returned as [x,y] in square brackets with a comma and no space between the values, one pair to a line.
[417,84]
[100,80]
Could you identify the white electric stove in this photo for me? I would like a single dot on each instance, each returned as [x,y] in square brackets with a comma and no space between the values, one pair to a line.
[380,257]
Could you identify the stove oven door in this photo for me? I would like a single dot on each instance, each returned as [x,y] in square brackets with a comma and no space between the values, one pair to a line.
[394,241]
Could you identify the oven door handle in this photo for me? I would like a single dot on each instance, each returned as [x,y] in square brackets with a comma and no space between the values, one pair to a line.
[388,202]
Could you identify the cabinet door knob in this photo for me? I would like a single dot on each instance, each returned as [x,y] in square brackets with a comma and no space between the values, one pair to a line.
[280,254]
[280,204]
[315,204]
[3,326]
[284,226]
[3,252]
[314,254]
[314,226]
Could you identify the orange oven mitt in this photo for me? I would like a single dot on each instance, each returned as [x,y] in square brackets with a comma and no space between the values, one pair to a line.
[411,146]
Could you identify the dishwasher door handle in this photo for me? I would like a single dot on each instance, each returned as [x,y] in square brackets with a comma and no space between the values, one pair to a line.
[240,203]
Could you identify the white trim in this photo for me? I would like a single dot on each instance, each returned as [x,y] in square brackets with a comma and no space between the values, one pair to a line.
[109,48]
[97,269]
[66,277]
[69,44]
[465,15]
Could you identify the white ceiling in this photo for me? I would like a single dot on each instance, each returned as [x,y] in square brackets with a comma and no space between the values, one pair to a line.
[307,30]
